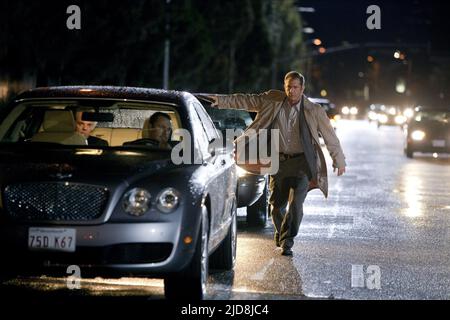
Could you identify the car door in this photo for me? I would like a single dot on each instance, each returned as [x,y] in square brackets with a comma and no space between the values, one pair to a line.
[223,183]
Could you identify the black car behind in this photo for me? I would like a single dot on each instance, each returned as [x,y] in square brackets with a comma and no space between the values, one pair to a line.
[428,132]
[252,189]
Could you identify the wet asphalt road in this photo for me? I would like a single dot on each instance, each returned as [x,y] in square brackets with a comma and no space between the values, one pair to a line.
[383,233]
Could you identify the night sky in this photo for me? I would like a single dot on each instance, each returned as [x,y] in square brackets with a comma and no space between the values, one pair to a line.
[417,28]
[413,21]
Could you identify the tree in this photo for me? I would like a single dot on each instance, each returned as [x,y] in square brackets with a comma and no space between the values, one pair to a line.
[216,46]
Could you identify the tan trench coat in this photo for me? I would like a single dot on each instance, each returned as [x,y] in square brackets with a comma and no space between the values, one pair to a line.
[268,104]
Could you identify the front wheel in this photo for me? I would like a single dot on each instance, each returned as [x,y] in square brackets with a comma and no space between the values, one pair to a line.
[257,212]
[408,151]
[191,283]
[224,258]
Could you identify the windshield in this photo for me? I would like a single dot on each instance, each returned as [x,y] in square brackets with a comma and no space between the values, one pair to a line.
[229,119]
[84,123]
[330,108]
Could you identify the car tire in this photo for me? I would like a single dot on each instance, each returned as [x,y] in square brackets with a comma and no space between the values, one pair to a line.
[224,258]
[257,213]
[191,283]
[409,152]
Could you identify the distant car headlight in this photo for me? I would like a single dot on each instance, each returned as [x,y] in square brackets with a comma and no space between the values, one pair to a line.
[333,122]
[345,110]
[168,200]
[241,172]
[392,111]
[400,119]
[136,202]
[354,111]
[408,112]
[373,115]
[383,118]
[418,135]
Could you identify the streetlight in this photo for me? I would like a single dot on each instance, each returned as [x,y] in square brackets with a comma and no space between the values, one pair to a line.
[308,30]
[400,87]
[317,42]
[306,9]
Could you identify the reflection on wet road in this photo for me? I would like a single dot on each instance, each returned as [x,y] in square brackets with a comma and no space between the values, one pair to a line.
[388,212]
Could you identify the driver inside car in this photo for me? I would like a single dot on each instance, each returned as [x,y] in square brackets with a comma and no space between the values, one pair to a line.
[160,129]
[157,132]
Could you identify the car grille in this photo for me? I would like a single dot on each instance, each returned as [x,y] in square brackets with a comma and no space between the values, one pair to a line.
[55,201]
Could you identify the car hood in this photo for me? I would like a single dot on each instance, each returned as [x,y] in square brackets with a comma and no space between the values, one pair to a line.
[30,163]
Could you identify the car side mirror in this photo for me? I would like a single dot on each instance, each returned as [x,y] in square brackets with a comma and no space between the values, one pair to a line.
[212,147]
[217,146]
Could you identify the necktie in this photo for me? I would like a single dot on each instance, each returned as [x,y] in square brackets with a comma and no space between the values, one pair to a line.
[308,147]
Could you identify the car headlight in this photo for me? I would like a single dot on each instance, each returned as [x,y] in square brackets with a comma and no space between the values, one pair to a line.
[241,172]
[400,119]
[354,111]
[333,122]
[345,110]
[168,200]
[408,112]
[373,115]
[418,135]
[136,202]
[382,118]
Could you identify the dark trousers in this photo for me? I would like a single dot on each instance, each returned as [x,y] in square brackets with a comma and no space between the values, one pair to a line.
[288,187]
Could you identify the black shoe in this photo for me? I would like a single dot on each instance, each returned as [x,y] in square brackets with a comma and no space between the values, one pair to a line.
[286,252]
[277,241]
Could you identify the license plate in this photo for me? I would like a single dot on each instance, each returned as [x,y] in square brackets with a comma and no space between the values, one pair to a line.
[438,143]
[59,239]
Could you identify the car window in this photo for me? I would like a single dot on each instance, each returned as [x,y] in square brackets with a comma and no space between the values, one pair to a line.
[200,136]
[229,118]
[329,107]
[28,120]
[210,129]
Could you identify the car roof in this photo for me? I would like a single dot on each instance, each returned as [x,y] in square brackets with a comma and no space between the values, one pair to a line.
[203,97]
[106,92]
[319,100]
